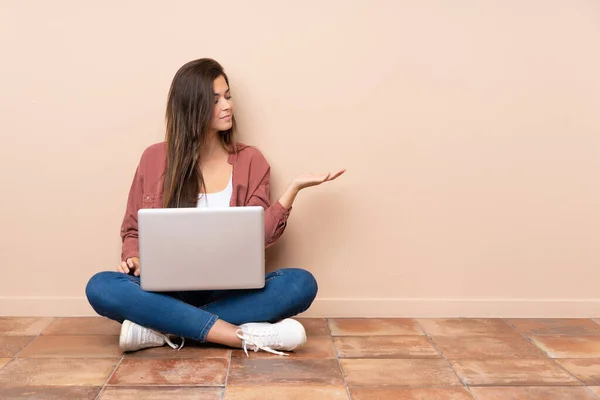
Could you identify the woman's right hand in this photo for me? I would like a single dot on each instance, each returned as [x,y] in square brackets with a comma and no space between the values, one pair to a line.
[131,264]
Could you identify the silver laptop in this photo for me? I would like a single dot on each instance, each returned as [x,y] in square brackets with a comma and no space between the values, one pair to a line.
[201,248]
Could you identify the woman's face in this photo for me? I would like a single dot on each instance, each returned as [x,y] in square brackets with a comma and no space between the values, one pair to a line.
[223,111]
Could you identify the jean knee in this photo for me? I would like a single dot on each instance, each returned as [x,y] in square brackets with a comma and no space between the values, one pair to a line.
[304,284]
[98,288]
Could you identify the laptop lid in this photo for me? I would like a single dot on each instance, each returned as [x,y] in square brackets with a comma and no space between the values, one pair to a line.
[201,248]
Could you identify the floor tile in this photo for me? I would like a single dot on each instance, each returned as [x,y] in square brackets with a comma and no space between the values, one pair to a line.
[512,372]
[587,370]
[569,347]
[278,370]
[385,347]
[315,326]
[161,371]
[409,394]
[315,347]
[191,351]
[23,326]
[87,346]
[390,372]
[466,327]
[595,389]
[556,326]
[466,347]
[374,326]
[161,393]
[4,361]
[50,393]
[596,320]
[83,326]
[286,392]
[56,372]
[532,393]
[11,345]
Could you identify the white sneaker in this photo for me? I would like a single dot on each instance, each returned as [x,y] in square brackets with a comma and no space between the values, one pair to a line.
[288,335]
[136,337]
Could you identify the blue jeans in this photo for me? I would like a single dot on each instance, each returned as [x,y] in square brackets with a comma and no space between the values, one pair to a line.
[191,314]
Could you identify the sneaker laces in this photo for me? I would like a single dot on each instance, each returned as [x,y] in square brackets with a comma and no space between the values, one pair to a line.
[149,335]
[173,345]
[262,340]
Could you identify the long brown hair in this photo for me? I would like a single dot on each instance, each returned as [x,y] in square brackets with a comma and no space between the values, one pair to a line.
[188,117]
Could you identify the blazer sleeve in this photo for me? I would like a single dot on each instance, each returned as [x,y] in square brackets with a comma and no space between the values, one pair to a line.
[276,215]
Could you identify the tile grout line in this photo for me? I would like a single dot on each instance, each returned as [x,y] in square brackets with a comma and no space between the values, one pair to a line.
[31,341]
[337,357]
[548,356]
[227,374]
[110,376]
[487,385]
[8,362]
[468,389]
[54,319]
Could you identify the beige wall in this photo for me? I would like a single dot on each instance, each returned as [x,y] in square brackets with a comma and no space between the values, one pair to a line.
[470,131]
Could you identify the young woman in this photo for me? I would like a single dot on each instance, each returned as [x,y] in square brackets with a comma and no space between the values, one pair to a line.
[200,164]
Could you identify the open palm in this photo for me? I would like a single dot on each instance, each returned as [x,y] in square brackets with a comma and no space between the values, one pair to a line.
[308,180]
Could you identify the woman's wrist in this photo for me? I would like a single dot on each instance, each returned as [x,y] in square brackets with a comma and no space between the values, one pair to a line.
[289,196]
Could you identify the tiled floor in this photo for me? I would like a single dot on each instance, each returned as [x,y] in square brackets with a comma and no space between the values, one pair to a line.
[361,359]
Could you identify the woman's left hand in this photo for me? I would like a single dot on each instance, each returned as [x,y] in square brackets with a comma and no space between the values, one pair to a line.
[309,180]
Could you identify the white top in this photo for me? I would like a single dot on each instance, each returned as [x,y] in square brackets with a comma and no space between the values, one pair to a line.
[217,200]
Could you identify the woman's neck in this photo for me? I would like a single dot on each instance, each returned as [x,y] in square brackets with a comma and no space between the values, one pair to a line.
[212,147]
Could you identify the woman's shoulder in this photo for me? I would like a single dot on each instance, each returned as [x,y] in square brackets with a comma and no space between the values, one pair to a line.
[153,159]
[250,154]
[155,150]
